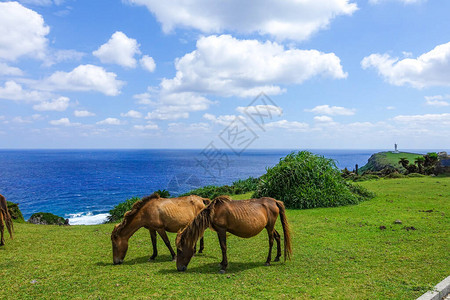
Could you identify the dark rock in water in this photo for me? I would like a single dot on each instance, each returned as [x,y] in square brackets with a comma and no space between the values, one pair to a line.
[43,218]
[397,222]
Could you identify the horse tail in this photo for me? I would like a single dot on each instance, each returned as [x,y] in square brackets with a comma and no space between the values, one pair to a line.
[286,230]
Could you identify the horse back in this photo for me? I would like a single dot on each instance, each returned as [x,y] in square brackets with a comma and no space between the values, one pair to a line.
[246,218]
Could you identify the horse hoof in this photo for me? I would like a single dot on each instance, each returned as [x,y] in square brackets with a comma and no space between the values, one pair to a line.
[222,271]
[267,264]
[151,259]
[277,259]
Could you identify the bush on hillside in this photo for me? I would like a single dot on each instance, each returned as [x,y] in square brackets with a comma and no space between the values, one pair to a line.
[43,218]
[305,180]
[15,212]
[116,214]
[238,187]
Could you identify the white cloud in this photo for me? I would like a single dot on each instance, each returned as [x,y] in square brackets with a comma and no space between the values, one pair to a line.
[120,50]
[332,110]
[132,114]
[22,32]
[288,125]
[83,113]
[14,91]
[438,100]
[188,128]
[148,63]
[59,104]
[7,70]
[289,19]
[323,119]
[178,105]
[266,110]
[83,78]
[21,120]
[42,2]
[110,121]
[56,56]
[225,66]
[402,1]
[148,126]
[429,69]
[434,119]
[63,122]
[223,120]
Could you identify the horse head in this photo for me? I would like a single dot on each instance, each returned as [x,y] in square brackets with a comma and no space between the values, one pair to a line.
[119,246]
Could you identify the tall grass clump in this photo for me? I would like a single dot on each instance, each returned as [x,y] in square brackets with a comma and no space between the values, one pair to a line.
[305,180]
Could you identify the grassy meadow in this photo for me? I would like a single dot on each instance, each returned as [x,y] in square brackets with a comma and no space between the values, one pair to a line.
[338,253]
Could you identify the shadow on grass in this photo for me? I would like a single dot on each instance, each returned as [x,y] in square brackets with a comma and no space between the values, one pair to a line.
[213,268]
[160,259]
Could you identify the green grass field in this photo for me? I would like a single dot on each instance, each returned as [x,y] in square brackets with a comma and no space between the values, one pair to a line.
[339,253]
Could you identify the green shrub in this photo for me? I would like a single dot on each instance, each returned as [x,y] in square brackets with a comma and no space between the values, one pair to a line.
[305,180]
[15,212]
[116,214]
[44,218]
[415,175]
[395,175]
[238,187]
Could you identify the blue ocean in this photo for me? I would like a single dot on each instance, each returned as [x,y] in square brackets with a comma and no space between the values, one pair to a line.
[83,185]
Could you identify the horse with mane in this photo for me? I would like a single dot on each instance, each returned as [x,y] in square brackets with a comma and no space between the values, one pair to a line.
[244,219]
[158,215]
[5,219]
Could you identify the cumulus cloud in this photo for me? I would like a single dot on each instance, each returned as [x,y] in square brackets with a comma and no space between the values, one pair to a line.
[443,119]
[132,114]
[223,120]
[323,119]
[22,32]
[120,50]
[59,104]
[438,100]
[83,113]
[148,126]
[288,125]
[7,70]
[14,91]
[178,105]
[110,121]
[429,69]
[289,19]
[402,1]
[148,63]
[63,122]
[332,110]
[188,128]
[225,66]
[266,110]
[83,78]
[42,2]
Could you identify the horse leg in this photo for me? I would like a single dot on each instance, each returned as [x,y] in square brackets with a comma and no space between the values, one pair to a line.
[155,249]
[222,234]
[2,228]
[202,246]
[271,234]
[163,235]
[277,236]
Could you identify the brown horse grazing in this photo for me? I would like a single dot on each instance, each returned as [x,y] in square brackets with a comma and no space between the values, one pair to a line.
[5,218]
[244,218]
[158,215]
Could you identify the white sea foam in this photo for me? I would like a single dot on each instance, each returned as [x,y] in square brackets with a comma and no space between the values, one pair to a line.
[87,218]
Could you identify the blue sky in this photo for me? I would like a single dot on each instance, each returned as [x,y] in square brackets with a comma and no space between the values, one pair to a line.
[283,74]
